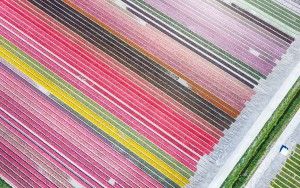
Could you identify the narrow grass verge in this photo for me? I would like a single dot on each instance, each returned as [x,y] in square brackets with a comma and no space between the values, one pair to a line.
[259,148]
